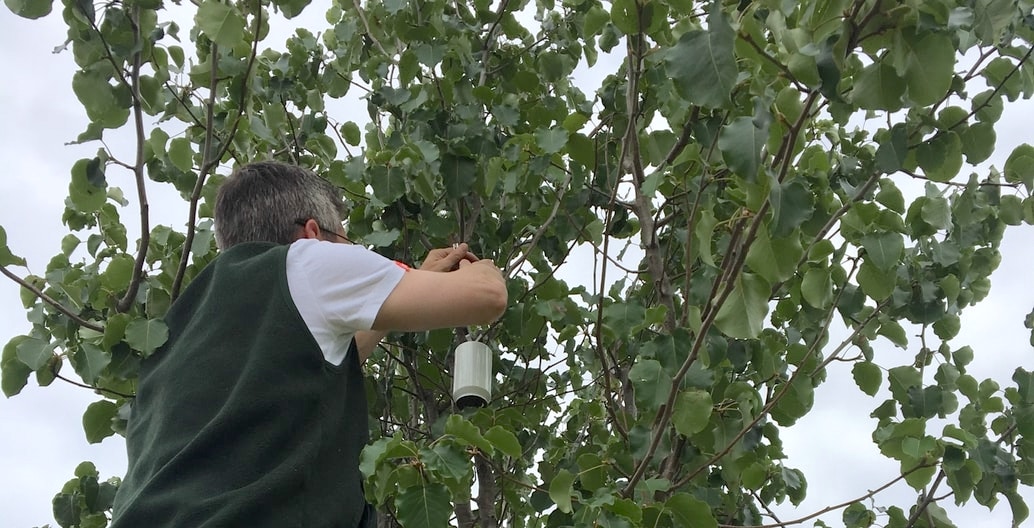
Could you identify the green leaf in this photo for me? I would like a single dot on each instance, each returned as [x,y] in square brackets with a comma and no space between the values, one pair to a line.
[322,145]
[941,157]
[876,283]
[651,382]
[893,331]
[795,402]
[936,212]
[13,373]
[90,361]
[1010,210]
[741,142]
[692,411]
[1019,508]
[817,287]
[595,19]
[931,66]
[856,515]
[901,380]
[388,185]
[350,131]
[66,509]
[1019,167]
[291,8]
[97,420]
[459,175]
[626,508]
[792,204]
[703,231]
[99,98]
[775,260]
[34,353]
[118,273]
[978,142]
[551,140]
[181,154]
[592,472]
[878,87]
[884,250]
[743,314]
[625,16]
[891,155]
[560,490]
[947,327]
[690,512]
[146,335]
[868,376]
[31,9]
[448,460]
[85,196]
[221,22]
[424,506]
[461,428]
[504,441]
[702,64]
[6,257]
[988,106]
[574,122]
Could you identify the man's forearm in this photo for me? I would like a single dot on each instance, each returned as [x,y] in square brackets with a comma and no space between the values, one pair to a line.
[366,341]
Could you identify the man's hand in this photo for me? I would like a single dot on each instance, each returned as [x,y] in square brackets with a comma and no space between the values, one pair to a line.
[447,259]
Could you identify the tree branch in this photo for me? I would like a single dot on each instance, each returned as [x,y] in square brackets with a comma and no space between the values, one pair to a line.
[486,47]
[928,498]
[208,161]
[138,171]
[488,489]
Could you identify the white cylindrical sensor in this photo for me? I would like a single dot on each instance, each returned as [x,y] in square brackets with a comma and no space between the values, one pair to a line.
[472,375]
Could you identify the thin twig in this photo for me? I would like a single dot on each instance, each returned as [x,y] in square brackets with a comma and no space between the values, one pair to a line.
[532,244]
[93,387]
[51,301]
[369,32]
[834,507]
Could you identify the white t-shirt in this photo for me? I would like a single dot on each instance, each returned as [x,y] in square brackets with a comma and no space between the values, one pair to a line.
[338,289]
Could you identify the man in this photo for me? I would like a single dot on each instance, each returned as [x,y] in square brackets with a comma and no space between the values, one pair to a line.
[254,413]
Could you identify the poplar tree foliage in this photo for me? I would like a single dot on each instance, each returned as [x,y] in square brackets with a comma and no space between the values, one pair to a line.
[737,175]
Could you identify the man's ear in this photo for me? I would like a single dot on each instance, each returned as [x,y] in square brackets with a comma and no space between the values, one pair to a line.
[310,229]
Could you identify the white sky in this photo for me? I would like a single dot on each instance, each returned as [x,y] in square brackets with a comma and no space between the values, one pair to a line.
[41,439]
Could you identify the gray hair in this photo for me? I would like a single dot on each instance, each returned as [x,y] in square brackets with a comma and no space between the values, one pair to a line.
[266,200]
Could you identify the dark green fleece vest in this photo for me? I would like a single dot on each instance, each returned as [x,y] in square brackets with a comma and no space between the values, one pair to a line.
[238,419]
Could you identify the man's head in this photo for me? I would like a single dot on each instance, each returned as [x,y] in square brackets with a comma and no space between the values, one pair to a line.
[265,201]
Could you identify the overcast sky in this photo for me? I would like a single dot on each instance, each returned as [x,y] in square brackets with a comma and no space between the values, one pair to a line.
[41,439]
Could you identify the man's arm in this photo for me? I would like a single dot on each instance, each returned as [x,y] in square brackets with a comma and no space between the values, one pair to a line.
[419,304]
[473,294]
[366,341]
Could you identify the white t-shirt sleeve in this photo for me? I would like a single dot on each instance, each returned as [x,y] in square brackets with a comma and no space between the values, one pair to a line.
[338,290]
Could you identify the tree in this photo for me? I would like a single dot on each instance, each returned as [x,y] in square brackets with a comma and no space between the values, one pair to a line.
[737,175]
